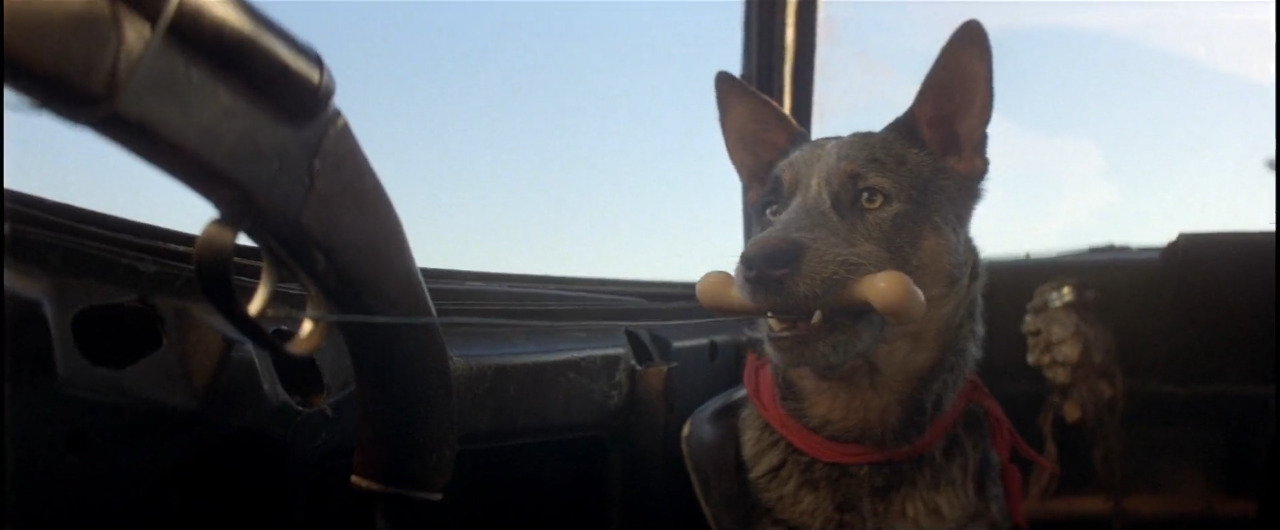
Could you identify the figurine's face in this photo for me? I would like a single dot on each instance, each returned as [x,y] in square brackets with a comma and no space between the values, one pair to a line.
[1055,342]
[1054,345]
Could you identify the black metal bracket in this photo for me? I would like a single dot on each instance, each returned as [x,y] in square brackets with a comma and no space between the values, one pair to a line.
[778,54]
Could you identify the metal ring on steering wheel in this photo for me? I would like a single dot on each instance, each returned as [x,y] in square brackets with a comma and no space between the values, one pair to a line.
[311,333]
[214,253]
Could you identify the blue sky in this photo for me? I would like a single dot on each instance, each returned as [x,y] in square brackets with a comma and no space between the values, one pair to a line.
[580,138]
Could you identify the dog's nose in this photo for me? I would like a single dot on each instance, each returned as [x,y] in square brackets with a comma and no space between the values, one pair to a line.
[770,260]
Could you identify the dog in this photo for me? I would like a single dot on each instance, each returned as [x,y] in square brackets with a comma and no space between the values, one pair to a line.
[825,212]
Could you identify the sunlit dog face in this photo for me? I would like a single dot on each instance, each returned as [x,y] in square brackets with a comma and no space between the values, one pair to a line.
[826,211]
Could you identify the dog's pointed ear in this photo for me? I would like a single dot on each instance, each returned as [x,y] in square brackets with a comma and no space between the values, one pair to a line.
[757,132]
[950,114]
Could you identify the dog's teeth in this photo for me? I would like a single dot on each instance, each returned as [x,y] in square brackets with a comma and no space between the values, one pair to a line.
[817,318]
[776,325]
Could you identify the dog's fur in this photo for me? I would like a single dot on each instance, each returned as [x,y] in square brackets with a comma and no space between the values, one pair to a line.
[860,379]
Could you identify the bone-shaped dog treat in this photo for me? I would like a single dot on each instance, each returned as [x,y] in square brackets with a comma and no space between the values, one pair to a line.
[890,293]
[718,291]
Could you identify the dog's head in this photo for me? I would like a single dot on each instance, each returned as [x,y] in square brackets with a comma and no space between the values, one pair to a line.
[825,212]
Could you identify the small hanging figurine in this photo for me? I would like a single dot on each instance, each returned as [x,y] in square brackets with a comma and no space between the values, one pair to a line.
[1076,354]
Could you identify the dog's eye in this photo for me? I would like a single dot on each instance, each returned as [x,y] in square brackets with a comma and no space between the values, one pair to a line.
[772,212]
[872,198]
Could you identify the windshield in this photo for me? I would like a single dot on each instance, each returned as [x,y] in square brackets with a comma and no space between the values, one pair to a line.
[1121,123]
[581,138]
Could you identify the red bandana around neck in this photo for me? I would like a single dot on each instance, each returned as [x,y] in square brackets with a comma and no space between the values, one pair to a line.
[763,390]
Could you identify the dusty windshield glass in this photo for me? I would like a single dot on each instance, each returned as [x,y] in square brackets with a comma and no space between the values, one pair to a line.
[581,138]
[563,138]
[1119,123]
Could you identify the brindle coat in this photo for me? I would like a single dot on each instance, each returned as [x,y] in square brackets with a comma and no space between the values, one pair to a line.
[825,211]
